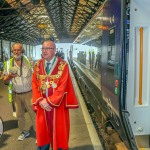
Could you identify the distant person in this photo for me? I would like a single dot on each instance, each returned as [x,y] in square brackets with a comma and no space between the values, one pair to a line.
[97,63]
[18,74]
[59,54]
[93,58]
[56,54]
[90,59]
[1,66]
[62,54]
[70,54]
[53,96]
[84,58]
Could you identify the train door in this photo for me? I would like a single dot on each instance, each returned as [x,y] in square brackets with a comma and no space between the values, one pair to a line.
[112,59]
[138,83]
[111,46]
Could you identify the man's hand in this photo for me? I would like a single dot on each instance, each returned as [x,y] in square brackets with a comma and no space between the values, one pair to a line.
[45,105]
[12,75]
[8,77]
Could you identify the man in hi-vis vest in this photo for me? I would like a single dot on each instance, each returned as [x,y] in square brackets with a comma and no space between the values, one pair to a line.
[17,74]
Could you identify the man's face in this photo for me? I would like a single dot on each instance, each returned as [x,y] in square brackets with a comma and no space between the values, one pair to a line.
[48,50]
[17,51]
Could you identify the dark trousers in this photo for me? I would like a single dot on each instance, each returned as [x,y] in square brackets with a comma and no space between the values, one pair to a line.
[46,147]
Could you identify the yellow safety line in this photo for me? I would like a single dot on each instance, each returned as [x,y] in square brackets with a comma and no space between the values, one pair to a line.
[141,66]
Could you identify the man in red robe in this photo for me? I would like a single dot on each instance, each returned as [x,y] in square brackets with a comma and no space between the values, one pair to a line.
[53,96]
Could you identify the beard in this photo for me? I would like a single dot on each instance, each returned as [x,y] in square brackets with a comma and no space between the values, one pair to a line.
[16,57]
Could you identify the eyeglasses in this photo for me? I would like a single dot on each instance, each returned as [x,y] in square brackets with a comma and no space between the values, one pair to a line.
[16,50]
[46,48]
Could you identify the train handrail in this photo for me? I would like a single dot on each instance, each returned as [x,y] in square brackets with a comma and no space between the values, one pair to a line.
[141,67]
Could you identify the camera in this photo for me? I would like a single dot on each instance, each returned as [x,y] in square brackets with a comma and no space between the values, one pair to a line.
[13,70]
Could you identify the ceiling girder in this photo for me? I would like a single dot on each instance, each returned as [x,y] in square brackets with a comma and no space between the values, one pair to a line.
[64,19]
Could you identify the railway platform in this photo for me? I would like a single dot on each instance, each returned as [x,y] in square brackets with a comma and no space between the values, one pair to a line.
[83,135]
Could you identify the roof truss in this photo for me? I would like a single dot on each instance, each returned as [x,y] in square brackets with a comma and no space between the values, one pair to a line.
[22,21]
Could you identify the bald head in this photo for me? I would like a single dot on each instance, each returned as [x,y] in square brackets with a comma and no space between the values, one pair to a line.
[49,41]
[48,50]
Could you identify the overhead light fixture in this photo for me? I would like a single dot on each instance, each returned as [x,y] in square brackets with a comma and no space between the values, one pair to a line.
[42,25]
[43,16]
[102,27]
[46,36]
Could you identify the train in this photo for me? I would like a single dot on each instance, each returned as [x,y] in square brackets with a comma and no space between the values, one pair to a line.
[120,30]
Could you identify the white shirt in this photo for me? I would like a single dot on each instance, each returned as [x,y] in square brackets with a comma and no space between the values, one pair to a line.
[51,62]
[22,83]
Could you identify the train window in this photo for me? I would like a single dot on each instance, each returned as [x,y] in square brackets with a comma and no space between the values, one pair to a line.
[111,52]
[111,47]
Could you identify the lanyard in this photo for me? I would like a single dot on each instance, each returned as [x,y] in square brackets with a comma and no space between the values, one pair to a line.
[51,65]
[49,73]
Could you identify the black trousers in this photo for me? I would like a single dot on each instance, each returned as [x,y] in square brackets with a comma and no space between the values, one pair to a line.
[46,147]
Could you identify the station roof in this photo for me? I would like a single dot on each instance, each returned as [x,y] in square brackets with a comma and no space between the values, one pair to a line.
[31,21]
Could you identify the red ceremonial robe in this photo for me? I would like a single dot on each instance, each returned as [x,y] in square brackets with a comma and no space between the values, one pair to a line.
[52,127]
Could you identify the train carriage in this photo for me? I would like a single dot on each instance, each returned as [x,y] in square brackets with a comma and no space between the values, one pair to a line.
[120,31]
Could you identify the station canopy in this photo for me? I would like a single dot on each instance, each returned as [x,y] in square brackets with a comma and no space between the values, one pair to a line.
[31,21]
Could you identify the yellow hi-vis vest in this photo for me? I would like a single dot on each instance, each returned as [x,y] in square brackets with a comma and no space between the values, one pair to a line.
[7,65]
